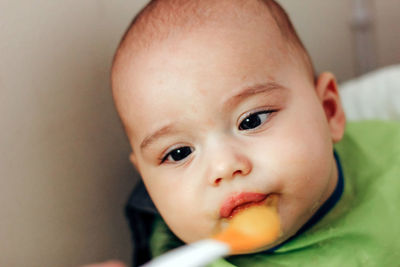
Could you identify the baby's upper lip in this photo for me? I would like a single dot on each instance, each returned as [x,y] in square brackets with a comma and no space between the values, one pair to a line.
[237,200]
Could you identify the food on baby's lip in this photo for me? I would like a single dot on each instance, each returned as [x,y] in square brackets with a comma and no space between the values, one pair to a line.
[238,202]
[252,228]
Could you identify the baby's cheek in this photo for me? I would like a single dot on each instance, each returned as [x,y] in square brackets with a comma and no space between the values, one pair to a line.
[305,172]
[184,215]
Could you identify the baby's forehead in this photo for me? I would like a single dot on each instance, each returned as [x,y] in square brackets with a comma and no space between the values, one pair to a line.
[165,19]
[169,19]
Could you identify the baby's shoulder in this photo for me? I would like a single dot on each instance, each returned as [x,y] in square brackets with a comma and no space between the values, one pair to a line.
[374,136]
[370,150]
[373,128]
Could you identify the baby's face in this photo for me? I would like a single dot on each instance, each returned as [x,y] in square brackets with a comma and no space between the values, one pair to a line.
[221,118]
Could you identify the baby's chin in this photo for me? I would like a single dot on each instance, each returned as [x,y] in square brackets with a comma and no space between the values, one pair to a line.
[285,235]
[287,230]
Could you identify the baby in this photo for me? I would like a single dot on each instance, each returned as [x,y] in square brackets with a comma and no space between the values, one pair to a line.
[222,109]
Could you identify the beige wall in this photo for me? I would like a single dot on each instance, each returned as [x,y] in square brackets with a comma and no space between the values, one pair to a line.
[324,26]
[64,170]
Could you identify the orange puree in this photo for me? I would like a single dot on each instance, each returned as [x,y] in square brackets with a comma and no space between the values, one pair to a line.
[252,228]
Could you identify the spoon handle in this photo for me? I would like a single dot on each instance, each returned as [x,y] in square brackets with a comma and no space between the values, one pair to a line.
[196,254]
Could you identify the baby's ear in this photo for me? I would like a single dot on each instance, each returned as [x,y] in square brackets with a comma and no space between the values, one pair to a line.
[133,159]
[328,93]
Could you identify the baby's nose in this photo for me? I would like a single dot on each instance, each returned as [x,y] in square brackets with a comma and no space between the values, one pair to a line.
[228,165]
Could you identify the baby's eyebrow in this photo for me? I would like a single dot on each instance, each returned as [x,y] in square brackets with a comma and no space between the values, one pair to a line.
[262,88]
[167,129]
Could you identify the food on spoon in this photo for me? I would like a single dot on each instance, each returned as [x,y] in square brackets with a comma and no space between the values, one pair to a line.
[252,228]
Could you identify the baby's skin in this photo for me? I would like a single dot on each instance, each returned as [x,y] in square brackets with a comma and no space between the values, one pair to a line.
[225,115]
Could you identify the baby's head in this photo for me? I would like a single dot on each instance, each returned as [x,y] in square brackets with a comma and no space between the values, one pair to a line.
[221,108]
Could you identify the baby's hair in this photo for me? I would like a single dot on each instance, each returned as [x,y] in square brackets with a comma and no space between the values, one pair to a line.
[161,19]
[289,32]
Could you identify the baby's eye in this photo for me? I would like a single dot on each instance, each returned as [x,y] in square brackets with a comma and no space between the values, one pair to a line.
[254,120]
[177,154]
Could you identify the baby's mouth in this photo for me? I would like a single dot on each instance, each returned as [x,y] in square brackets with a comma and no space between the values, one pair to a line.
[238,202]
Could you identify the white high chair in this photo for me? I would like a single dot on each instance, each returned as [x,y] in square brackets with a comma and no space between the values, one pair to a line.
[375,95]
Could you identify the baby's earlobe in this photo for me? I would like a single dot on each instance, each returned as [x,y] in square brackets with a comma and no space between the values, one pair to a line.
[133,159]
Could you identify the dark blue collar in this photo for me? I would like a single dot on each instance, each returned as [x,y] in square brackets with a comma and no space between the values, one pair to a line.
[324,209]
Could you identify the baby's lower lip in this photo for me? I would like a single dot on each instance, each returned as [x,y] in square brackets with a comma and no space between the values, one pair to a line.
[236,203]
